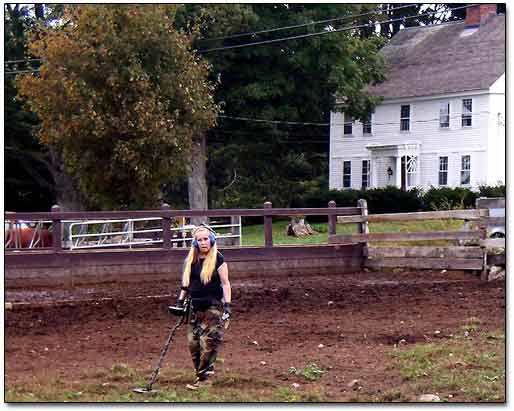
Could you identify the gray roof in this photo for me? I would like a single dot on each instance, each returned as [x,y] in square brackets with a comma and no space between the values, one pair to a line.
[442,59]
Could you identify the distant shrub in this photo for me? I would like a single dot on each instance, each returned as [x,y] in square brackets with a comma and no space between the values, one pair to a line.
[380,200]
[392,199]
[498,190]
[447,198]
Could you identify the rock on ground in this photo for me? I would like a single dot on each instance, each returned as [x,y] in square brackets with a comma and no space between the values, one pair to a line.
[429,398]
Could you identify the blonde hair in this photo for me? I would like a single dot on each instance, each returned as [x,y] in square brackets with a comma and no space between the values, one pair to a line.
[209,263]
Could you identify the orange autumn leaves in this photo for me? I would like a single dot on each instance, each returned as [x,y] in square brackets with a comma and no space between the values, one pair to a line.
[122,96]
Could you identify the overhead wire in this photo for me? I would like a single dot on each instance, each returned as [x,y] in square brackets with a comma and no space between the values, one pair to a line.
[252,33]
[20,61]
[301,36]
[21,71]
[278,122]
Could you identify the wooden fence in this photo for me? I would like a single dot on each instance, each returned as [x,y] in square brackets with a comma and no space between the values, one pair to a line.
[472,256]
[342,254]
[57,265]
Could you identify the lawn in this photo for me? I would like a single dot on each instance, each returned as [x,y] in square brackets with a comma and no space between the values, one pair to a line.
[253,235]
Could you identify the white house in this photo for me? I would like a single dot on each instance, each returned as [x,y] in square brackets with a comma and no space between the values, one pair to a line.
[442,118]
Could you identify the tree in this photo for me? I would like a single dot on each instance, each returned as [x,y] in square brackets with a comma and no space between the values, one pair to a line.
[289,81]
[294,81]
[201,21]
[29,185]
[121,97]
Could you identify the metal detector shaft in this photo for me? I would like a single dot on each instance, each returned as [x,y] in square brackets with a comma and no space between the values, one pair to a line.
[164,350]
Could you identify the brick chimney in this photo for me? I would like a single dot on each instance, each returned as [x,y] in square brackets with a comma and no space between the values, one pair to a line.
[477,15]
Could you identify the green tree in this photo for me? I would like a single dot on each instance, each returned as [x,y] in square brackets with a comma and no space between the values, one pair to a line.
[29,185]
[295,81]
[431,13]
[121,97]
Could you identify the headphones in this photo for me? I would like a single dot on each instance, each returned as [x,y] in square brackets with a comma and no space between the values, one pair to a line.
[212,237]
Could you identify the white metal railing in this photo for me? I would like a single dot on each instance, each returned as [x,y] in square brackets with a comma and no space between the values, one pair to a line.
[107,235]
[13,237]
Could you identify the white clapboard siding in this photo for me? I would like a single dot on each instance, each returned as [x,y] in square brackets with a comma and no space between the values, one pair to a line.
[483,141]
[496,138]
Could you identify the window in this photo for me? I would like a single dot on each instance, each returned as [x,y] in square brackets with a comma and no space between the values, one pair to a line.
[465,170]
[366,125]
[365,174]
[347,174]
[443,171]
[467,111]
[444,115]
[348,122]
[405,118]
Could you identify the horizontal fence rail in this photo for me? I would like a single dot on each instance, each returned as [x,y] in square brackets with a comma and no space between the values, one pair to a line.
[493,243]
[471,215]
[425,251]
[63,237]
[426,263]
[82,215]
[420,236]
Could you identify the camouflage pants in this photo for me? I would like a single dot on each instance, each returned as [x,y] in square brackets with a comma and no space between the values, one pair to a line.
[204,336]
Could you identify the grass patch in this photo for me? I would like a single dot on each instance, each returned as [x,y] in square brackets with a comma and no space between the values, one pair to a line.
[465,368]
[286,394]
[393,395]
[311,372]
[253,235]
[116,384]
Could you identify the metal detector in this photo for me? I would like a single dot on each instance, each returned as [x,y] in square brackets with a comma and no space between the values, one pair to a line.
[183,313]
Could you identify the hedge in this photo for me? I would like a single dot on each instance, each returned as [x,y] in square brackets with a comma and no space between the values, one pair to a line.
[391,199]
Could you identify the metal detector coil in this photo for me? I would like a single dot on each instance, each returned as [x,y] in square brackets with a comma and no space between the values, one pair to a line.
[178,311]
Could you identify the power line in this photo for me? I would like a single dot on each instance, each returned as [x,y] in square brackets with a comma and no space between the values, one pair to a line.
[301,36]
[274,121]
[294,37]
[20,61]
[458,115]
[21,71]
[264,31]
[302,25]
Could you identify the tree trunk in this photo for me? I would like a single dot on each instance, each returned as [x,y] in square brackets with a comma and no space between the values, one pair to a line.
[299,227]
[67,196]
[39,11]
[197,179]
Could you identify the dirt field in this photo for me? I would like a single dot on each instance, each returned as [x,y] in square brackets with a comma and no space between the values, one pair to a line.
[345,324]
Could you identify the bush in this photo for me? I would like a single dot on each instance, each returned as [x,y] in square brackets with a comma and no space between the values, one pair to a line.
[380,200]
[492,191]
[394,200]
[446,198]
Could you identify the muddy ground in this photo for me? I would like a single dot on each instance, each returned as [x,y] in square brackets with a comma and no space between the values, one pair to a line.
[348,323]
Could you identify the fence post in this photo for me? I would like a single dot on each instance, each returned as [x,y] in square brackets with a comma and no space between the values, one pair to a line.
[56,230]
[234,220]
[363,227]
[332,219]
[166,228]
[268,226]
[482,225]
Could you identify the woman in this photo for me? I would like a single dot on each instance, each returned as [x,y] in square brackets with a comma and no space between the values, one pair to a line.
[205,278]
